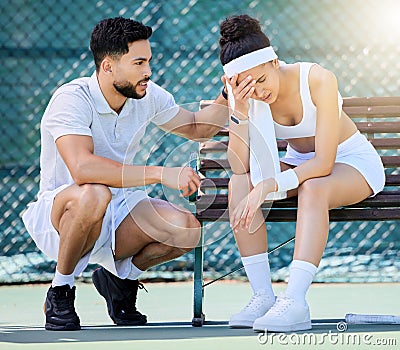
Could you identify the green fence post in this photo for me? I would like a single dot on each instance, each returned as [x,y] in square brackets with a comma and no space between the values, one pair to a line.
[198,316]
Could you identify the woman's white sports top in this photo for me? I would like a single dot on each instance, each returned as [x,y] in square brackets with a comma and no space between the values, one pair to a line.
[307,125]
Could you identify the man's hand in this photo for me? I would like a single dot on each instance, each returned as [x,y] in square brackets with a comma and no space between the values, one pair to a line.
[181,178]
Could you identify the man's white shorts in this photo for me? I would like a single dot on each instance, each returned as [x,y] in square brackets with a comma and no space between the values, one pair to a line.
[37,220]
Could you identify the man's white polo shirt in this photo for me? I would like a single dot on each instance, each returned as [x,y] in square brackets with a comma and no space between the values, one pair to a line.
[80,108]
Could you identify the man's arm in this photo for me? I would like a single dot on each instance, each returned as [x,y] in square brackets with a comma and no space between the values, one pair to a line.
[87,168]
[199,125]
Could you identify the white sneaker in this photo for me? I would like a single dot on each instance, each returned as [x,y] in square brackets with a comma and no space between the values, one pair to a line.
[287,315]
[258,305]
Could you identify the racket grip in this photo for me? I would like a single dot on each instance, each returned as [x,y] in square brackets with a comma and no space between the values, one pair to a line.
[193,163]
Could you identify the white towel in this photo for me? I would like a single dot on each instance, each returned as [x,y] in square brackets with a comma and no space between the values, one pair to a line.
[264,157]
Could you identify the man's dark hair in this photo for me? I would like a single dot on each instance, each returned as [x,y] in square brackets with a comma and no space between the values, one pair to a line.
[111,37]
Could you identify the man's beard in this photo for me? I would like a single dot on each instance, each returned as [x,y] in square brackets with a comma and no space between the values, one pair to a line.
[128,90]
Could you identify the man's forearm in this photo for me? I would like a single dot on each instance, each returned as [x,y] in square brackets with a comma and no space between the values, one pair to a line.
[212,118]
[114,174]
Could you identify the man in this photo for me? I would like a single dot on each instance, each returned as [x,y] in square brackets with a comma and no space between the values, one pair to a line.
[88,208]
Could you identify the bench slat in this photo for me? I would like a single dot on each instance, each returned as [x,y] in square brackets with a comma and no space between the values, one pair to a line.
[386,143]
[371,101]
[372,214]
[379,127]
[382,199]
[372,112]
[213,164]
[223,164]
[214,182]
[217,182]
[391,161]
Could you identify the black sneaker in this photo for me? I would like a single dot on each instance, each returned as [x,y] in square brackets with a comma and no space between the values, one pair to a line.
[60,310]
[120,295]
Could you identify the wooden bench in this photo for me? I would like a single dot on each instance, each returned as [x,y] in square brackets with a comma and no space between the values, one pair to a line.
[377,117]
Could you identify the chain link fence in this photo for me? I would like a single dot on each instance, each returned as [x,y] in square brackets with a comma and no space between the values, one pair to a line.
[44,44]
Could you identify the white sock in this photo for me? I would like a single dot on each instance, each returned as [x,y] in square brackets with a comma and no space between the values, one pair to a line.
[258,272]
[300,278]
[134,273]
[61,280]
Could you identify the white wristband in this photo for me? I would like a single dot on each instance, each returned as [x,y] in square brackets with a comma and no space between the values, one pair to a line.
[287,180]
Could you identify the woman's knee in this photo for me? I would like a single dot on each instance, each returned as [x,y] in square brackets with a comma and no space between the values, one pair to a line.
[313,191]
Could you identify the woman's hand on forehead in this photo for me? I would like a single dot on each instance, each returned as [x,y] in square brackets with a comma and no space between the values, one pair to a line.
[243,81]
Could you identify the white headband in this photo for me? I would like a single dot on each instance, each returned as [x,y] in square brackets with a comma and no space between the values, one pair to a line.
[249,61]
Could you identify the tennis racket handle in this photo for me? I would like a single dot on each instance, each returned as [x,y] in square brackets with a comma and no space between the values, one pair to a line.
[193,163]
[377,319]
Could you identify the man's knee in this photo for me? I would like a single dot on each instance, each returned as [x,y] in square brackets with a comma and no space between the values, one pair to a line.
[93,200]
[87,204]
[187,234]
[192,233]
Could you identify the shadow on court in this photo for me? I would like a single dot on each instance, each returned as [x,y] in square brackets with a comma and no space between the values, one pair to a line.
[163,331]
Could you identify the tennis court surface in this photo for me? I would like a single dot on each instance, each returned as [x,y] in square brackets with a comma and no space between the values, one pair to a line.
[169,310]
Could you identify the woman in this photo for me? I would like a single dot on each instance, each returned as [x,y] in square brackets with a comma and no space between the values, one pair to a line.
[328,164]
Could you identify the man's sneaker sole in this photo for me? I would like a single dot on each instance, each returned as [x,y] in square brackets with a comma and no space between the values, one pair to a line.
[66,327]
[104,293]
[303,326]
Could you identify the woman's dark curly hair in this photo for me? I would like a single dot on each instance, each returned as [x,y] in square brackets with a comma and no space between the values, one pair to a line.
[111,36]
[240,35]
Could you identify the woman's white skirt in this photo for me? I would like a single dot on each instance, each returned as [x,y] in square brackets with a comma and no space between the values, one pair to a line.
[357,152]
